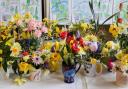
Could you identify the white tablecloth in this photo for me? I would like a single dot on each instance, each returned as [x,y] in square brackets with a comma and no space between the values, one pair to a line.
[53,81]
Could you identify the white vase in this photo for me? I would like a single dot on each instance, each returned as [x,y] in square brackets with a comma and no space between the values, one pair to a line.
[91,69]
[36,75]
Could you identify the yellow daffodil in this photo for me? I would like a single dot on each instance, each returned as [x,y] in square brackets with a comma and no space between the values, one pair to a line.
[120,54]
[27,15]
[17,17]
[91,38]
[57,45]
[105,50]
[110,44]
[114,30]
[23,67]
[55,57]
[58,30]
[93,61]
[16,48]
[19,81]
[84,26]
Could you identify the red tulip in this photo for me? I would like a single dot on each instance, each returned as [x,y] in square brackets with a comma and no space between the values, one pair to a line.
[63,35]
[25,53]
[69,38]
[75,48]
[119,20]
[81,41]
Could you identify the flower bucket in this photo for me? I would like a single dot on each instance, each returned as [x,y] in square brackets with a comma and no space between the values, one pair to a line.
[93,69]
[121,78]
[69,72]
[35,75]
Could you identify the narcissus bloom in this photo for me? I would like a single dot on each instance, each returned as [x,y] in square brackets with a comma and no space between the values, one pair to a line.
[16,48]
[23,67]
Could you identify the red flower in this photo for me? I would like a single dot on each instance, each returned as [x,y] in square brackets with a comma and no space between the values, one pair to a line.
[119,20]
[75,48]
[63,34]
[81,41]
[25,53]
[69,38]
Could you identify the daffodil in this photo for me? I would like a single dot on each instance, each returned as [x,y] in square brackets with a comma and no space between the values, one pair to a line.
[23,67]
[57,45]
[114,30]
[110,44]
[55,57]
[119,55]
[105,50]
[27,15]
[92,38]
[16,48]
[93,61]
[19,81]
[17,17]
[84,26]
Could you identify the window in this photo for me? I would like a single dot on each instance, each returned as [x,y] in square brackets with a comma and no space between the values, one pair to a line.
[67,11]
[10,7]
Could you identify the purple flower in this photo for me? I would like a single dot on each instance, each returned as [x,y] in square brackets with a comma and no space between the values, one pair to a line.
[37,60]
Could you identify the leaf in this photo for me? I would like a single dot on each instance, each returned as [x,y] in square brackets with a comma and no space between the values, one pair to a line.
[109,18]
[4,64]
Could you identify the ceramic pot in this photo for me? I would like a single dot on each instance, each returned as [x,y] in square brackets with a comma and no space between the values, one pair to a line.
[35,75]
[69,72]
[121,78]
[93,69]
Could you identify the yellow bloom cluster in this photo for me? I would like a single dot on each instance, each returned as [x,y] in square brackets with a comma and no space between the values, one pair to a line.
[110,45]
[123,58]
[115,30]
[23,67]
[92,38]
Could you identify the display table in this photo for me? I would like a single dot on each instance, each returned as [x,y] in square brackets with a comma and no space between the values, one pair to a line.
[55,81]
[105,81]
[52,81]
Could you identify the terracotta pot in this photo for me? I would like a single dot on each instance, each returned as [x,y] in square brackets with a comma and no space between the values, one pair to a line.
[121,78]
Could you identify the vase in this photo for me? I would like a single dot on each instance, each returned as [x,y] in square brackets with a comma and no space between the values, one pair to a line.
[35,75]
[93,69]
[69,72]
[121,78]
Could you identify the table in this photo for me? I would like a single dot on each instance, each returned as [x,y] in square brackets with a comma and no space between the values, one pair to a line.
[104,81]
[53,81]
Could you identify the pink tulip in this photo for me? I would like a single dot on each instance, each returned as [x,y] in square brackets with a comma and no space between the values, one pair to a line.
[32,25]
[38,33]
[44,29]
